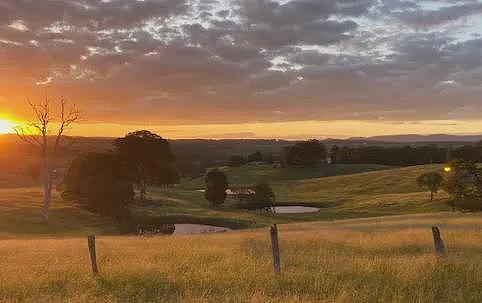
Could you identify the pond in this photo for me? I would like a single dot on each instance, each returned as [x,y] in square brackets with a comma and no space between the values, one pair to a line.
[179,229]
[192,229]
[295,209]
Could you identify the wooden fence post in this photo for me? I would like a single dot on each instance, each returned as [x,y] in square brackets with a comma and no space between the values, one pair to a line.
[275,248]
[93,255]
[437,240]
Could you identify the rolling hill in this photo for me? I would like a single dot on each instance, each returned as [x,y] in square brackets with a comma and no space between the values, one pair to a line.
[387,191]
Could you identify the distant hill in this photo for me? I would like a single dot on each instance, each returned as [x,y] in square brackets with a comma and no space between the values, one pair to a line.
[422,138]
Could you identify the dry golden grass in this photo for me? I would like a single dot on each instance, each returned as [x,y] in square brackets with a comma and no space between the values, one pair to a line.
[367,260]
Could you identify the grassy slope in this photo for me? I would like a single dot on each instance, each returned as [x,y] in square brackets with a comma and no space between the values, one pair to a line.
[20,216]
[392,191]
[384,192]
[370,260]
[249,175]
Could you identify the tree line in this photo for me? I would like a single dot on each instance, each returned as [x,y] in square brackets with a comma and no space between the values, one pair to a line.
[405,155]
[313,152]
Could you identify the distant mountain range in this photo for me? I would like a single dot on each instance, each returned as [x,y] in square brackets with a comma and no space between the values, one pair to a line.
[407,138]
[421,138]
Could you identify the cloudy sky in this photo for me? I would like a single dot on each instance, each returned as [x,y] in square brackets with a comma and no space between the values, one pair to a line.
[248,68]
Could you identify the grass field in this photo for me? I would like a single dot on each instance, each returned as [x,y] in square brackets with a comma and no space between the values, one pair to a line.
[249,175]
[367,194]
[324,259]
[387,259]
[374,193]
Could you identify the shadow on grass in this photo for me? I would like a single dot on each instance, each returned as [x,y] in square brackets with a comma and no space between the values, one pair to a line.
[147,286]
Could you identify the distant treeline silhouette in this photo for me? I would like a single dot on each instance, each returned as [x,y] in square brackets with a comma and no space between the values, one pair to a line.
[405,155]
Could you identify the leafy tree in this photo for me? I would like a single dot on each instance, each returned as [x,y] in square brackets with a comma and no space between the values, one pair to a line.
[99,183]
[149,159]
[306,153]
[236,161]
[216,186]
[464,184]
[264,195]
[255,157]
[433,181]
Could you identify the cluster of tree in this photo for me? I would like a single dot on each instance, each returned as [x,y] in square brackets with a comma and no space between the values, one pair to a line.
[263,197]
[194,156]
[216,185]
[403,156]
[104,182]
[464,184]
[306,153]
[471,152]
[239,160]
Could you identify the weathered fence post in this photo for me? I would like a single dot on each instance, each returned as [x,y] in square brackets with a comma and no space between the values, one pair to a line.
[93,255]
[275,248]
[437,240]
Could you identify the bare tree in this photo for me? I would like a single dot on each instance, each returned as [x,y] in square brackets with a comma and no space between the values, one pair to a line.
[40,135]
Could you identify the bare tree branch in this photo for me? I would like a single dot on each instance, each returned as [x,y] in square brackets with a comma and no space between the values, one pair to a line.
[36,133]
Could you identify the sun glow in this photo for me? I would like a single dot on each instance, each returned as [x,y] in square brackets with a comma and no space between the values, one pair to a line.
[6,126]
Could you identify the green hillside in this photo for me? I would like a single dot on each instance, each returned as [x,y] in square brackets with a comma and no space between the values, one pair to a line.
[368,194]
[248,175]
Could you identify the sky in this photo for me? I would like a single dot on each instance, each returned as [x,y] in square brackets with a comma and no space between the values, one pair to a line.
[247,68]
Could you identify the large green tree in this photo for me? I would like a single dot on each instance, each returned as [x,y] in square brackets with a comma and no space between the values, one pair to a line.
[149,159]
[464,183]
[99,183]
[216,186]
[263,195]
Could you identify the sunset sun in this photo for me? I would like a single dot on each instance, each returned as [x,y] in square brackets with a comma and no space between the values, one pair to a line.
[241,151]
[6,126]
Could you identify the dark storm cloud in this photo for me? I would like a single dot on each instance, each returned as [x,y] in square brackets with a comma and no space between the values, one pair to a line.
[238,61]
[90,13]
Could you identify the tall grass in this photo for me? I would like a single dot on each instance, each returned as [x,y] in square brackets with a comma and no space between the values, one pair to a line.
[369,260]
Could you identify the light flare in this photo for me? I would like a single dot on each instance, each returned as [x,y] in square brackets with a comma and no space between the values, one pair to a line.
[6,126]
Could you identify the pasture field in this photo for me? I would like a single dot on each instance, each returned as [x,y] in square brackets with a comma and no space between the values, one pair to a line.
[388,259]
[384,191]
[251,174]
[366,194]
